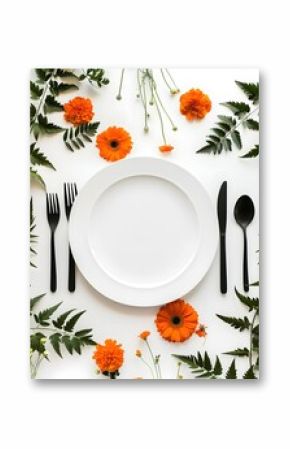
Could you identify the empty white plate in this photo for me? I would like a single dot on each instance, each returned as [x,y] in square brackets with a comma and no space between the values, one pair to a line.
[143,231]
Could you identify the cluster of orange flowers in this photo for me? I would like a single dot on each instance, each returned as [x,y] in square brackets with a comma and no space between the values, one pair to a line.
[115,143]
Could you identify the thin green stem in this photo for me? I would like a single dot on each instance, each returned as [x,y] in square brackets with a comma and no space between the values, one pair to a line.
[174,127]
[119,96]
[172,80]
[165,80]
[152,357]
[139,86]
[148,366]
[178,370]
[146,129]
[161,121]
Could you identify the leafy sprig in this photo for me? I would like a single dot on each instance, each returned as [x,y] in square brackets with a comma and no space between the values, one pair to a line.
[203,367]
[246,324]
[59,333]
[75,138]
[33,237]
[225,134]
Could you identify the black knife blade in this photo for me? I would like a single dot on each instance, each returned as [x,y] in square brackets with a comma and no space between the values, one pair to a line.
[222,219]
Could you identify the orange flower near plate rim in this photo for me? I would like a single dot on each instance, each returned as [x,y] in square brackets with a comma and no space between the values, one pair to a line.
[166,148]
[114,143]
[176,321]
[144,335]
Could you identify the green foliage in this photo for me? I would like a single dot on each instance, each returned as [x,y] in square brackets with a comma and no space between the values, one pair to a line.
[225,134]
[238,323]
[57,88]
[251,90]
[43,126]
[203,368]
[232,372]
[250,374]
[238,352]
[254,152]
[35,91]
[51,105]
[59,332]
[36,177]
[251,303]
[75,138]
[33,237]
[96,77]
[38,158]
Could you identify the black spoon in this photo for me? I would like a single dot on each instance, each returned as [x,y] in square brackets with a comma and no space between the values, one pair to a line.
[244,213]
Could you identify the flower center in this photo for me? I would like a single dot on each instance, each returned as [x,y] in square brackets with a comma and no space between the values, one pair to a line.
[114,143]
[176,320]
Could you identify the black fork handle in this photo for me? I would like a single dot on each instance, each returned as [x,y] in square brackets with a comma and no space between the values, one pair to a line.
[245,264]
[53,277]
[223,264]
[71,272]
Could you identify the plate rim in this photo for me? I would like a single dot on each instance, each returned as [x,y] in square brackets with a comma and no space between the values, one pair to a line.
[120,168]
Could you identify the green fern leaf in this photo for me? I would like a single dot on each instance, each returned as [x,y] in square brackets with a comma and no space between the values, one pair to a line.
[59,322]
[252,124]
[35,91]
[55,342]
[249,374]
[35,176]
[38,158]
[254,152]
[35,300]
[238,108]
[232,372]
[218,369]
[251,303]
[70,324]
[251,90]
[52,105]
[239,352]
[238,323]
[43,316]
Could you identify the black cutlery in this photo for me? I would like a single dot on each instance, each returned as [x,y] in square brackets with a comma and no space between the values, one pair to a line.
[244,213]
[70,192]
[222,219]
[53,214]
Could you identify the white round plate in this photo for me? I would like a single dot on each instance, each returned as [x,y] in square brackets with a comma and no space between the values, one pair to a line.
[143,231]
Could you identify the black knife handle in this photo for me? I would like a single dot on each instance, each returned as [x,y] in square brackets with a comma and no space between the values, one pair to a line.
[53,278]
[245,264]
[223,264]
[71,272]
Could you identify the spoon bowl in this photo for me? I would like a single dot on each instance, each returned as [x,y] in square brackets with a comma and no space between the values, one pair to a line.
[244,211]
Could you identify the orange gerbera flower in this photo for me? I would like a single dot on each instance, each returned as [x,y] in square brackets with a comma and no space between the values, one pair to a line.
[176,321]
[201,332]
[144,335]
[166,148]
[114,143]
[194,104]
[109,357]
[78,111]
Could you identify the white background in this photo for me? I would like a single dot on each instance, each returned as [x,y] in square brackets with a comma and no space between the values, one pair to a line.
[112,320]
[63,414]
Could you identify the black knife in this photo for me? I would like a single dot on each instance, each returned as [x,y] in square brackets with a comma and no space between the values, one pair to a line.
[222,218]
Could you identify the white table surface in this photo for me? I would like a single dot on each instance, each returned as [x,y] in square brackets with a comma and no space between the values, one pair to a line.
[107,318]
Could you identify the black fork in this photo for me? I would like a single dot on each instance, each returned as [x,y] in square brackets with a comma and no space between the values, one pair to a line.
[53,214]
[70,192]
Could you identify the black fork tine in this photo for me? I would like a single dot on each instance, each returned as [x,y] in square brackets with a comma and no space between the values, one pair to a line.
[56,204]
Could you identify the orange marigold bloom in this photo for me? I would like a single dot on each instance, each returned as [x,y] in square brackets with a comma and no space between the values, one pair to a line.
[144,335]
[194,104]
[78,111]
[166,148]
[201,332]
[109,357]
[114,143]
[176,321]
[138,353]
